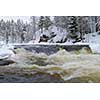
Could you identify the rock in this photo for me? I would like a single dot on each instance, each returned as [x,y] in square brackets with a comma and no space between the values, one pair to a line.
[44,38]
[6,62]
[6,52]
[26,75]
[41,77]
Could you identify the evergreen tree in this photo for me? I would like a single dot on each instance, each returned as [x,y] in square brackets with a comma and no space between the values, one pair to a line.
[33,24]
[13,31]
[23,34]
[73,27]
[61,21]
[83,26]
[47,22]
[20,26]
[44,22]
[92,22]
[41,23]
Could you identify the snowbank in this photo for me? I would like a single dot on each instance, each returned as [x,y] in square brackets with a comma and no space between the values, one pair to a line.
[95,47]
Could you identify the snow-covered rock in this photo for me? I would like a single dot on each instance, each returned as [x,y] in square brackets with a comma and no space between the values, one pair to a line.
[6,52]
[31,42]
[2,42]
[54,34]
[37,36]
[92,38]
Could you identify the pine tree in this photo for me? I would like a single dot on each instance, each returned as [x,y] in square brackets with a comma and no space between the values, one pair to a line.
[73,27]
[6,35]
[41,23]
[33,24]
[61,21]
[19,29]
[23,34]
[83,26]
[92,21]
[13,31]
[44,22]
[47,22]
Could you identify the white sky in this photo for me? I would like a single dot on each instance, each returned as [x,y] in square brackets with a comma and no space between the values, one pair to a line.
[24,18]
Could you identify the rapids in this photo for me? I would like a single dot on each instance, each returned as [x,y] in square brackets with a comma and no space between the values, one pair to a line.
[76,66]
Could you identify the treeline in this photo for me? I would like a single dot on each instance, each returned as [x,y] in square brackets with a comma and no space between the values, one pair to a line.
[15,32]
[18,32]
[76,26]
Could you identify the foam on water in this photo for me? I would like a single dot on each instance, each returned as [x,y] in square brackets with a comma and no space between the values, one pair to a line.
[71,66]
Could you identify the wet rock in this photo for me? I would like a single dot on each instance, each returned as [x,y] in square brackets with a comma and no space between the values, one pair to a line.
[6,62]
[41,77]
[50,49]
[24,75]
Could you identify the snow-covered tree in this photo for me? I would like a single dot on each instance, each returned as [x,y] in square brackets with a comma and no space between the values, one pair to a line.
[33,26]
[73,27]
[92,21]
[47,22]
[83,26]
[13,31]
[61,21]
[57,30]
[20,29]
[41,23]
[44,22]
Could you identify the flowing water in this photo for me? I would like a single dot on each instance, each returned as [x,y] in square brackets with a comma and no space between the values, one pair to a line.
[76,66]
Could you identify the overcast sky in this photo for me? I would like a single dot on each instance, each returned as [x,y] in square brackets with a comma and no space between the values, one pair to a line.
[24,18]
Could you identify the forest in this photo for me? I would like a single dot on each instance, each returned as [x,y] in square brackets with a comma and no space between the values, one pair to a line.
[52,29]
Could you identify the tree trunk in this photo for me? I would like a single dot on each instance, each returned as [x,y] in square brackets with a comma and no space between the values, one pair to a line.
[6,37]
[92,24]
[33,27]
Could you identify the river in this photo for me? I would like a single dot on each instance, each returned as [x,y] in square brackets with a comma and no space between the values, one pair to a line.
[79,66]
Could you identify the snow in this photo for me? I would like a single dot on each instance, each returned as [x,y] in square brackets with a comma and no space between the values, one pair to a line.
[58,31]
[81,43]
[92,38]
[53,29]
[6,52]
[95,47]
[37,36]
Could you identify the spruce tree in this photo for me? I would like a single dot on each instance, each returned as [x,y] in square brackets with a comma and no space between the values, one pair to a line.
[73,27]
[41,23]
[47,22]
